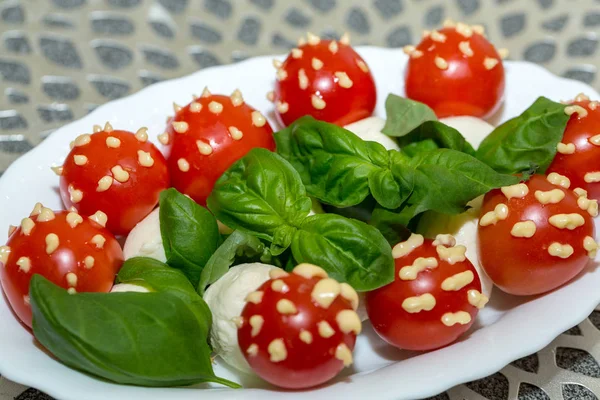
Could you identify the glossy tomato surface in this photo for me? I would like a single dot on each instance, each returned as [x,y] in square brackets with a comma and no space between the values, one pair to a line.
[116,172]
[326,79]
[578,156]
[523,245]
[72,251]
[456,71]
[292,339]
[205,137]
[433,309]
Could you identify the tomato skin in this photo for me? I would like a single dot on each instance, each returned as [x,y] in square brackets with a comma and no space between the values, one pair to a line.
[125,203]
[306,364]
[523,266]
[75,244]
[466,86]
[586,158]
[342,105]
[213,129]
[423,330]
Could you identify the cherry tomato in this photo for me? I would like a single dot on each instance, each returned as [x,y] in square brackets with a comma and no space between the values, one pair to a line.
[535,236]
[456,71]
[578,156]
[116,172]
[72,251]
[434,298]
[205,137]
[298,330]
[326,79]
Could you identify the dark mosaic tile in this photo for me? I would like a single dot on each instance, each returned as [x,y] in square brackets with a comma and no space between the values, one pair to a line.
[58,21]
[33,394]
[389,8]
[161,58]
[540,52]
[205,33]
[399,37]
[441,396]
[278,40]
[249,31]
[264,4]
[574,331]
[595,319]
[55,113]
[148,78]
[162,29]
[12,120]
[591,19]
[329,34]
[529,363]
[468,7]
[124,3]
[572,391]
[220,8]
[545,4]
[60,88]
[512,24]
[322,5]
[583,73]
[68,3]
[357,21]
[494,387]
[582,47]
[60,51]
[174,6]
[531,392]
[112,25]
[17,43]
[89,107]
[556,24]
[204,58]
[109,87]
[16,96]
[578,361]
[113,55]
[239,55]
[297,18]
[13,14]
[434,16]
[13,71]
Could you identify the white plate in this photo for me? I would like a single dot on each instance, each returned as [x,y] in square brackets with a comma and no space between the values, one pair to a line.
[509,328]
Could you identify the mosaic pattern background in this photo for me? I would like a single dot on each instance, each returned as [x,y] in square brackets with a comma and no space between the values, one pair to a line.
[59,59]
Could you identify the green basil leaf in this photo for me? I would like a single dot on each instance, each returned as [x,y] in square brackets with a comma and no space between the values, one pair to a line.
[258,194]
[189,231]
[236,244]
[335,165]
[349,250]
[438,134]
[446,180]
[147,339]
[393,224]
[528,141]
[405,115]
[415,148]
[385,189]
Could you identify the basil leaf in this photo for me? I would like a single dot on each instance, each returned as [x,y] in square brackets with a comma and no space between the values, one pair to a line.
[335,165]
[393,224]
[385,189]
[446,180]
[528,141]
[189,231]
[219,263]
[259,194]
[147,339]
[349,250]
[435,133]
[404,115]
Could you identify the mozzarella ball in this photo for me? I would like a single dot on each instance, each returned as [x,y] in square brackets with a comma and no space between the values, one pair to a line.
[370,129]
[473,129]
[128,287]
[226,298]
[145,240]
[464,229]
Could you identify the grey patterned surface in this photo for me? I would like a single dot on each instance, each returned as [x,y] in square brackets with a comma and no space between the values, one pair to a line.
[59,59]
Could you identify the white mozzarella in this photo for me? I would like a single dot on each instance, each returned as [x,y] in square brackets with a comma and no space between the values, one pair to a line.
[473,129]
[370,129]
[144,240]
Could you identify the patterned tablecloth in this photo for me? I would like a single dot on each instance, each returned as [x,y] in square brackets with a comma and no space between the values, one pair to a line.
[59,59]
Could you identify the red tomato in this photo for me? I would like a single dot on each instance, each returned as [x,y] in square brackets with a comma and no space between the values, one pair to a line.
[535,236]
[76,253]
[326,79]
[578,156]
[434,298]
[298,330]
[456,71]
[205,137]
[116,172]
